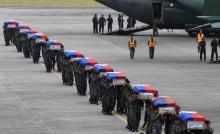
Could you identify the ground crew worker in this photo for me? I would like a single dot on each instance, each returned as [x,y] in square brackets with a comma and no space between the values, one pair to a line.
[157,122]
[102,22]
[151,45]
[110,22]
[203,50]
[214,45]
[132,45]
[95,22]
[200,38]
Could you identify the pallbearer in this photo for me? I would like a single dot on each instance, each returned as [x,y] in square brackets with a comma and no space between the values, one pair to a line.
[83,67]
[95,81]
[37,40]
[9,31]
[18,36]
[25,41]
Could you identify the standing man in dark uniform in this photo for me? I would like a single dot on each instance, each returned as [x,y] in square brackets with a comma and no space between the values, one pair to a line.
[203,50]
[132,45]
[214,45]
[155,30]
[151,45]
[119,21]
[129,22]
[133,22]
[95,22]
[102,22]
[110,22]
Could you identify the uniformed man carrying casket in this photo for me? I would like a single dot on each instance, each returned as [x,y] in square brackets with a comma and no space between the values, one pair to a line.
[37,40]
[25,42]
[9,31]
[82,68]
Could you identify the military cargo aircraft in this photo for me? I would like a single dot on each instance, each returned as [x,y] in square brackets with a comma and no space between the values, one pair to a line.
[191,15]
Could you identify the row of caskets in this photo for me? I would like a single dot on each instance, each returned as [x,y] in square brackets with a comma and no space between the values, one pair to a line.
[25,31]
[104,72]
[165,104]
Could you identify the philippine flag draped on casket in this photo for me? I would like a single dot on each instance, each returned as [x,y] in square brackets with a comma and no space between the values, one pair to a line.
[27,31]
[39,37]
[54,44]
[102,68]
[191,116]
[145,92]
[164,101]
[70,54]
[165,105]
[87,63]
[23,26]
[115,75]
[12,21]
[143,89]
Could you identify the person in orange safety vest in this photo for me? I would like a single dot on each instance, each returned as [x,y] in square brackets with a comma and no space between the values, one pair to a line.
[151,45]
[132,46]
[200,38]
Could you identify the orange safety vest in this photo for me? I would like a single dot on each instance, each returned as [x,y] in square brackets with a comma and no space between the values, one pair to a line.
[200,37]
[132,43]
[152,43]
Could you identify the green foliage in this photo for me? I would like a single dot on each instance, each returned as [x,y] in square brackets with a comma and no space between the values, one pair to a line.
[53,3]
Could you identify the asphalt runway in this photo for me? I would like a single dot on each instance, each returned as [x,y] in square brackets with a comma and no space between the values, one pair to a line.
[32,101]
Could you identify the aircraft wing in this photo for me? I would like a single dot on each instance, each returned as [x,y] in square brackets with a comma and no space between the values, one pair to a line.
[211,19]
[213,22]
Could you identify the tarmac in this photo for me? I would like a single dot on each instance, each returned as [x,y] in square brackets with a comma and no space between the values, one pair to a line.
[35,102]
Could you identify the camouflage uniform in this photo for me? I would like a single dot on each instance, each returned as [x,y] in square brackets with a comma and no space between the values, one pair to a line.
[157,123]
[136,106]
[35,51]
[67,73]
